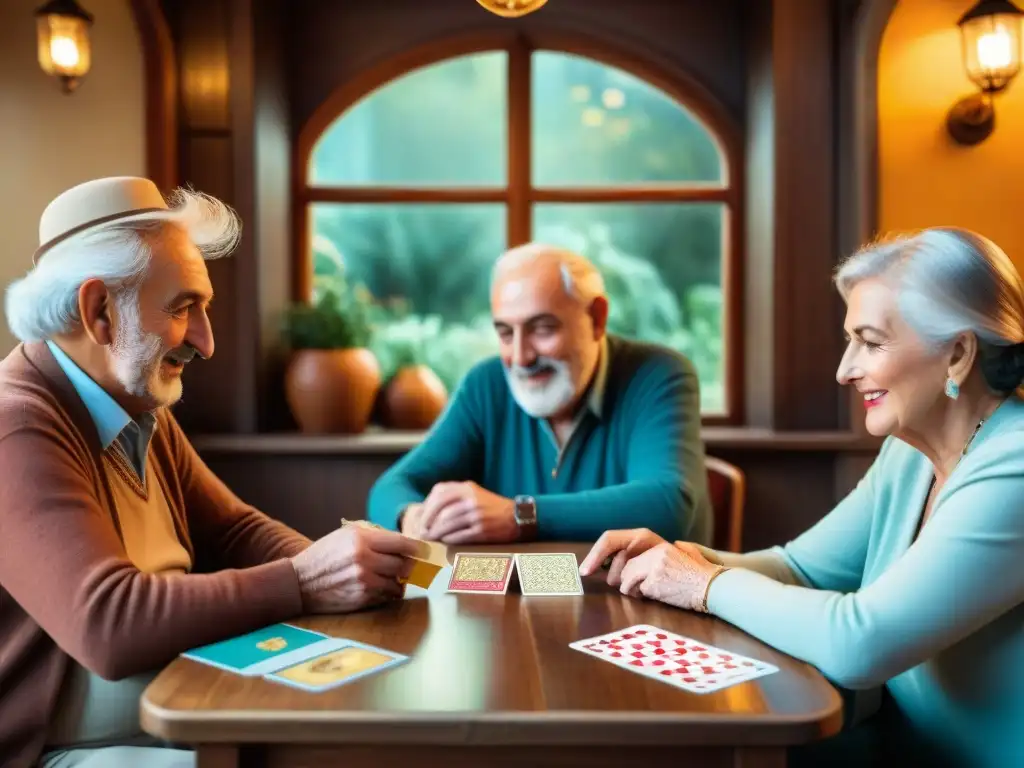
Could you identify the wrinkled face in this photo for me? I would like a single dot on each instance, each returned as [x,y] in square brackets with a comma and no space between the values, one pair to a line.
[548,341]
[899,377]
[163,325]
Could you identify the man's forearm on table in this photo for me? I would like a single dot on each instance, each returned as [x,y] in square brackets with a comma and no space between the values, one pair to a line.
[585,515]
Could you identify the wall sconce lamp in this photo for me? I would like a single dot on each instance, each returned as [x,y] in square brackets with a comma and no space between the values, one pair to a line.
[62,33]
[511,8]
[991,33]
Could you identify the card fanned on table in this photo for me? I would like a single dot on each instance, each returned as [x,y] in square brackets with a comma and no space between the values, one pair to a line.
[295,656]
[680,661]
[548,573]
[481,573]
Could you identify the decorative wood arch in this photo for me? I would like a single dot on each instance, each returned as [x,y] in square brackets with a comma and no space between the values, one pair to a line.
[161,92]
[517,194]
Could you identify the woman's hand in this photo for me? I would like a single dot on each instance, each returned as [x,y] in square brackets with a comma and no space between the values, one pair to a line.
[618,547]
[676,574]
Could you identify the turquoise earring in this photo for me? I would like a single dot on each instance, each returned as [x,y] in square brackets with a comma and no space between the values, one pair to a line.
[952,389]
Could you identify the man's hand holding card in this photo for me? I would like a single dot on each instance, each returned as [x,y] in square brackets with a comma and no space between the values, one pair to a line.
[427,559]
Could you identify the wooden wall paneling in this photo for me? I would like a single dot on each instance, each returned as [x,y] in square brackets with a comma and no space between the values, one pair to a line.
[790,224]
[161,76]
[242,109]
[236,144]
[272,147]
[806,336]
[201,32]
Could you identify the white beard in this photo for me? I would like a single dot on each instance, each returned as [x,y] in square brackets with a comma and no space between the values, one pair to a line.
[542,401]
[137,356]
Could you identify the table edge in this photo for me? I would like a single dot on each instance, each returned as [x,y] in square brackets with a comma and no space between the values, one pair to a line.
[509,728]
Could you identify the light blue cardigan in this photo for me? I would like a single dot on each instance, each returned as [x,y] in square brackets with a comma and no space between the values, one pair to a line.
[939,621]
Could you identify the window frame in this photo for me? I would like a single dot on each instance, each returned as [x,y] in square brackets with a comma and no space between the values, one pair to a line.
[518,195]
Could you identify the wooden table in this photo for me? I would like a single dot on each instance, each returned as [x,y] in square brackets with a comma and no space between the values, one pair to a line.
[492,682]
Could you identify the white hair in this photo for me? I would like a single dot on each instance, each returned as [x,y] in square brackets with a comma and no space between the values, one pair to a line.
[951,281]
[44,303]
[580,278]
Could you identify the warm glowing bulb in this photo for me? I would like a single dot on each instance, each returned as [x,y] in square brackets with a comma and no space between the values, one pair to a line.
[994,49]
[64,52]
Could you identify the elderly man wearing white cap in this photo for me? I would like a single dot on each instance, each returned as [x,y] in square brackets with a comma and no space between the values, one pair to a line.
[119,548]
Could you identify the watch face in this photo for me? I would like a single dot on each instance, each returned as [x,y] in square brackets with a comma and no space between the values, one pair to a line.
[526,510]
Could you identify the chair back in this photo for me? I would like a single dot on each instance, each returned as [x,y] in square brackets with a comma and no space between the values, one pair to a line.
[727,486]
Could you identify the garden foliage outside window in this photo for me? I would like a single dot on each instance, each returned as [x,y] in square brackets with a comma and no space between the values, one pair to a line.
[408,196]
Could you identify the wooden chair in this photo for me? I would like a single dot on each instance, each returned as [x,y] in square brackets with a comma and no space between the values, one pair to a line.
[727,486]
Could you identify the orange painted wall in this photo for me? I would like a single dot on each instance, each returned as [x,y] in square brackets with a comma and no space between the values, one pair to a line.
[925,179]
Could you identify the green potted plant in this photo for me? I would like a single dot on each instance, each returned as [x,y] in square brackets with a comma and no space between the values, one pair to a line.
[333,378]
[414,395]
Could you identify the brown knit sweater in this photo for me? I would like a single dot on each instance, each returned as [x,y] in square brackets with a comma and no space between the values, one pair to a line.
[67,588]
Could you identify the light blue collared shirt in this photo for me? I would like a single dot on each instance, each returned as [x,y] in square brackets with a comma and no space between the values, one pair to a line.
[111,420]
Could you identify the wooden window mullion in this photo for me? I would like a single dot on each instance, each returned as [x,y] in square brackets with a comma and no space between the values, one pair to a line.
[519,214]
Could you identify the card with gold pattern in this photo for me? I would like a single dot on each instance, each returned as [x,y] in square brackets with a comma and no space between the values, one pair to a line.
[344,665]
[481,573]
[548,573]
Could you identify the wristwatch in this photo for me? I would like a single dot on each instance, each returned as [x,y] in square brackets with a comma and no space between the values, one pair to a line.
[526,517]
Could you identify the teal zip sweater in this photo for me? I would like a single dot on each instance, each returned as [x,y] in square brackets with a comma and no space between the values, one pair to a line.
[938,619]
[635,460]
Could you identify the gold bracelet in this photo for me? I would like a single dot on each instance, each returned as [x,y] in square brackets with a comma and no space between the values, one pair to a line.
[704,602]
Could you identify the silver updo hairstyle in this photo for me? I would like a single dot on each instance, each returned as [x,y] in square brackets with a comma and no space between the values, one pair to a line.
[952,281]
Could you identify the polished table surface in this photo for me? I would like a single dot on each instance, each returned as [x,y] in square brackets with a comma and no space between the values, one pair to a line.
[492,670]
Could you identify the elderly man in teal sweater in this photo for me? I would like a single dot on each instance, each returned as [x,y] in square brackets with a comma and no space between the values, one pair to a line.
[567,433]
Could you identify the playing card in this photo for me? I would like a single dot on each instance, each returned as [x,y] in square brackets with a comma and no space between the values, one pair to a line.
[340,666]
[548,574]
[680,661]
[431,558]
[264,650]
[481,573]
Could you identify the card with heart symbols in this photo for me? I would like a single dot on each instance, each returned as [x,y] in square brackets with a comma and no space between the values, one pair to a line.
[680,661]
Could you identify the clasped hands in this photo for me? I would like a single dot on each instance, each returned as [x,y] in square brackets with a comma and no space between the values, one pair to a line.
[645,565]
[462,513]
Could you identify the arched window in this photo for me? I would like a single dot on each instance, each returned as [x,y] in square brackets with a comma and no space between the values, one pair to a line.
[415,187]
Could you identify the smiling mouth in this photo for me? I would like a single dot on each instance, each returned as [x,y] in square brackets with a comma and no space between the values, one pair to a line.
[874,397]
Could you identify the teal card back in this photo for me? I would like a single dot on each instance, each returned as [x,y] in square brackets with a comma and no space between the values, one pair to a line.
[240,653]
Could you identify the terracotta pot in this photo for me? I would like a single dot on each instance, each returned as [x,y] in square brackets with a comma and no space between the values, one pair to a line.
[332,390]
[413,399]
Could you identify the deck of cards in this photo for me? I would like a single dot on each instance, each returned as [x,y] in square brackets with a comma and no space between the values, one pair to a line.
[554,573]
[680,661]
[298,657]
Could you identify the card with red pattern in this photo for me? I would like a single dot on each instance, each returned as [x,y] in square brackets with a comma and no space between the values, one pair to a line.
[680,661]
[481,573]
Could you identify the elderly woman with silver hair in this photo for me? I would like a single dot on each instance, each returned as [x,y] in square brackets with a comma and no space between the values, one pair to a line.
[915,581]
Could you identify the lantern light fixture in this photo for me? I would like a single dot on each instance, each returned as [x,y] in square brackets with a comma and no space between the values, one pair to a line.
[991,37]
[62,39]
